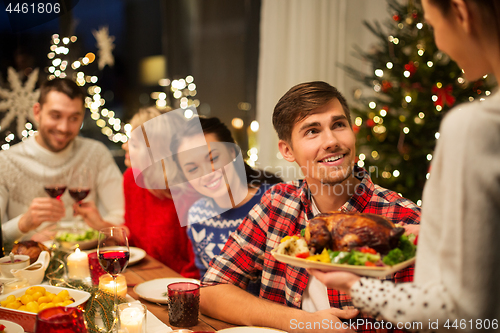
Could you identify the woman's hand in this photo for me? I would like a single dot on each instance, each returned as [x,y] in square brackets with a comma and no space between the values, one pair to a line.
[90,214]
[339,280]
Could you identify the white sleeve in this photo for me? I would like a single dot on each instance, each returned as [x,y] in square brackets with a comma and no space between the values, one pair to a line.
[110,189]
[403,302]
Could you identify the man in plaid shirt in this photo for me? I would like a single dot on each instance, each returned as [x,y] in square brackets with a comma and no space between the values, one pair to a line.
[314,127]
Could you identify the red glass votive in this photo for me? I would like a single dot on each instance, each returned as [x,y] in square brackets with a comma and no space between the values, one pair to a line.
[183,304]
[60,320]
[95,268]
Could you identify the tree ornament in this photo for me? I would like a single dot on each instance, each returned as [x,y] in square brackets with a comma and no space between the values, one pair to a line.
[105,46]
[18,102]
[410,67]
[396,17]
[444,95]
[386,85]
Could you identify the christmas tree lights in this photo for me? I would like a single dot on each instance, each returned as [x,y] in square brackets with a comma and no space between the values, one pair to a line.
[413,85]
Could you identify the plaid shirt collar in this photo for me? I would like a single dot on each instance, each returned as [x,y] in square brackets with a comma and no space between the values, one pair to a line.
[356,203]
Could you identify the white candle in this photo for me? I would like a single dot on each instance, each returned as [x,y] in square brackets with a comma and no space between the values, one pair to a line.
[78,265]
[107,284]
[132,320]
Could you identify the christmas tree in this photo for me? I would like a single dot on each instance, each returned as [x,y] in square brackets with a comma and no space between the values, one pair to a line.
[413,85]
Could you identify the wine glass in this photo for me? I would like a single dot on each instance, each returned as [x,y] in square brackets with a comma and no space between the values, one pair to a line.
[60,319]
[113,253]
[79,186]
[54,185]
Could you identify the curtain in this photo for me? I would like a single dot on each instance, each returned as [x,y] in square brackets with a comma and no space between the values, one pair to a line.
[300,40]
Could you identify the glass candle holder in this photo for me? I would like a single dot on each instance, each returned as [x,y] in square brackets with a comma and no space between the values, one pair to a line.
[183,304]
[96,270]
[60,320]
[107,284]
[132,317]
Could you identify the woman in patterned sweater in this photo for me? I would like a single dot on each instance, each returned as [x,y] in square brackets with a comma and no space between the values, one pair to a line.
[212,164]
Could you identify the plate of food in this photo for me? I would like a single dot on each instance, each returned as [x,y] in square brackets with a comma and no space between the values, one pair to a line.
[71,238]
[364,244]
[136,255]
[20,306]
[156,290]
[10,327]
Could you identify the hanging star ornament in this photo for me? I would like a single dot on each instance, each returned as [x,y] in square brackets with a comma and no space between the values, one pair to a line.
[18,102]
[105,46]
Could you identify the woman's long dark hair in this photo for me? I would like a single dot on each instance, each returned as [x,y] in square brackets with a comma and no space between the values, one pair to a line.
[214,126]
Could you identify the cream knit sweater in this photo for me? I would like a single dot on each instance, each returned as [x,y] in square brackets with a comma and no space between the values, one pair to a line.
[25,165]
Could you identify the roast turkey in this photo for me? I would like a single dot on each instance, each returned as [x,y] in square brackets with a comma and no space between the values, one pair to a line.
[30,248]
[345,231]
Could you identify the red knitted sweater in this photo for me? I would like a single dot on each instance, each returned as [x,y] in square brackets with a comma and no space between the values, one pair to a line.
[155,228]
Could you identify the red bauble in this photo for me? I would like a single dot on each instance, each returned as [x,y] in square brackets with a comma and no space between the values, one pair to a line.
[396,17]
[410,67]
[370,123]
[386,85]
[444,95]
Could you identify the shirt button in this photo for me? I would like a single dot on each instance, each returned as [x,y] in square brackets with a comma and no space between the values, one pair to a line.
[297,299]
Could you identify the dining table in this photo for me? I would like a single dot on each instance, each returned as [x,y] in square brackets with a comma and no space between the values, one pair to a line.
[149,269]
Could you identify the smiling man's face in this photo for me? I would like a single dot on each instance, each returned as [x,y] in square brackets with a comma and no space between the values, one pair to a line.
[323,145]
[59,120]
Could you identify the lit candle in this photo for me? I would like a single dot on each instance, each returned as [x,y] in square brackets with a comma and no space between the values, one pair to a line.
[132,320]
[107,284]
[78,265]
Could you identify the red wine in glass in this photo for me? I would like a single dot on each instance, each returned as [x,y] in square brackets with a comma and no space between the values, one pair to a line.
[78,194]
[55,191]
[113,252]
[114,262]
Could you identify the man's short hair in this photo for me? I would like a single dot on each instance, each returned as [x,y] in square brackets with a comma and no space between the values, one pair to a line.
[65,86]
[300,101]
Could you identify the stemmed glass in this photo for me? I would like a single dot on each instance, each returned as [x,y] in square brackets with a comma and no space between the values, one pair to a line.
[113,253]
[54,185]
[79,186]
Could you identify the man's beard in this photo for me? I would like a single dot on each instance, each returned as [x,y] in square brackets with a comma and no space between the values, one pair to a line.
[336,176]
[47,142]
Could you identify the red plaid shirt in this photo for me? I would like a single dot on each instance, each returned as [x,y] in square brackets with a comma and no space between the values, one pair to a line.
[281,212]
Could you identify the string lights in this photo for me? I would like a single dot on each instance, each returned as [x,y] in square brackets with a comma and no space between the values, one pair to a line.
[104,118]
[412,87]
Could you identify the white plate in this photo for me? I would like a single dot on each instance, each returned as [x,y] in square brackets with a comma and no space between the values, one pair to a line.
[359,270]
[11,327]
[79,296]
[136,255]
[249,329]
[153,290]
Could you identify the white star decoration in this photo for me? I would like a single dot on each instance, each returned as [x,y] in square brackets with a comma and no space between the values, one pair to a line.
[18,102]
[105,46]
